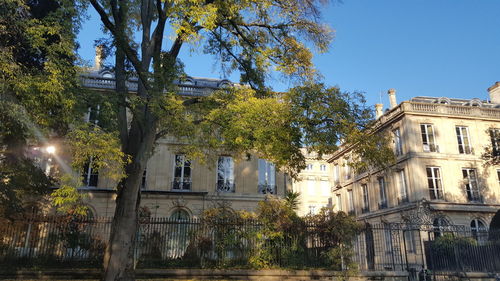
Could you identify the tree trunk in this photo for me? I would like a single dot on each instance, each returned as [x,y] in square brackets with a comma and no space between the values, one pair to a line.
[119,256]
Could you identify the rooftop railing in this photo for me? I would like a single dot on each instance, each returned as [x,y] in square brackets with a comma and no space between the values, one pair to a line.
[95,82]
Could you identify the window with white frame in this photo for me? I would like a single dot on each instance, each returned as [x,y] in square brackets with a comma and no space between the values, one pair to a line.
[225,174]
[336,174]
[348,170]
[182,173]
[267,177]
[309,167]
[339,202]
[428,139]
[463,140]
[382,193]
[434,182]
[479,231]
[471,184]
[403,187]
[398,145]
[322,167]
[350,201]
[90,174]
[495,142]
[366,198]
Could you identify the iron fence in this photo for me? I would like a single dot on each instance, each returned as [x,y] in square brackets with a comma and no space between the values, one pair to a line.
[194,243]
[160,243]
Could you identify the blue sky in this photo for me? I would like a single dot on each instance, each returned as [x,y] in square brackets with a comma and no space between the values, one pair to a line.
[419,47]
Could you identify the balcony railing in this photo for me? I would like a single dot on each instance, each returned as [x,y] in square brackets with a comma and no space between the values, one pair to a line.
[267,189]
[96,82]
[184,185]
[225,187]
[433,108]
[451,109]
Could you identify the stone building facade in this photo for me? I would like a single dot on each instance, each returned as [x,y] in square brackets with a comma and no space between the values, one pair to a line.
[174,186]
[313,184]
[438,144]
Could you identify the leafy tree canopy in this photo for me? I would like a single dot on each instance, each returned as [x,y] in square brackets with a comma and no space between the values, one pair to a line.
[38,86]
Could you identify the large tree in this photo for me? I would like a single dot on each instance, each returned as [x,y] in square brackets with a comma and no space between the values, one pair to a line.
[38,83]
[253,37]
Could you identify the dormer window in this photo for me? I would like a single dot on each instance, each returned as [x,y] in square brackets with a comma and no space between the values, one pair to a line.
[224,84]
[188,81]
[474,102]
[443,100]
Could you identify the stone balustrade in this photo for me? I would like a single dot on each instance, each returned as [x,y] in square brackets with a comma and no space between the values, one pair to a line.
[103,83]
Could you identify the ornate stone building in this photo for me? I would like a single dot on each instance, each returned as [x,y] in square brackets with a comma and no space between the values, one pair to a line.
[173,185]
[313,184]
[438,144]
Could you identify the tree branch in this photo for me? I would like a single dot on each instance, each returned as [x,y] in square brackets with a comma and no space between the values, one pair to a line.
[121,42]
[104,17]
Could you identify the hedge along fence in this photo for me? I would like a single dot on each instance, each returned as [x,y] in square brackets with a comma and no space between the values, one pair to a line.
[220,239]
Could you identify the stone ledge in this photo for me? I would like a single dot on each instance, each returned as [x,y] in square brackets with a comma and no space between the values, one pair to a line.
[202,274]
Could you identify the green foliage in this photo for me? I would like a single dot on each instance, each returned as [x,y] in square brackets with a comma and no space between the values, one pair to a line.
[38,87]
[447,243]
[292,200]
[37,59]
[89,141]
[334,228]
[21,186]
[229,242]
[66,198]
[336,232]
[281,236]
[327,117]
[22,182]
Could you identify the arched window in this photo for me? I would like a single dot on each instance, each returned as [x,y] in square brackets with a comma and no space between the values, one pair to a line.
[478,229]
[322,167]
[473,102]
[224,84]
[439,226]
[179,215]
[443,100]
[188,81]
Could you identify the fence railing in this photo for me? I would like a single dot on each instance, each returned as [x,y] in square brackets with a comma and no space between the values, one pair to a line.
[195,243]
[160,243]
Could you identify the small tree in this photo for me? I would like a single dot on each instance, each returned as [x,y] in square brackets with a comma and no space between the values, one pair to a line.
[336,232]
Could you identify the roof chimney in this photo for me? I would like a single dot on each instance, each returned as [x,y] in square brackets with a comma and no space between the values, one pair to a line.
[392,98]
[99,53]
[378,110]
[494,93]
